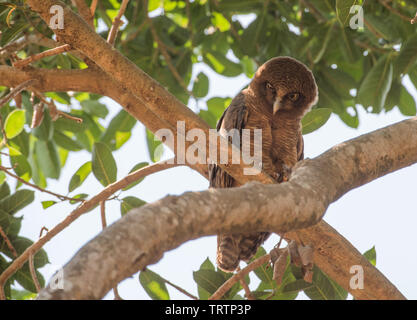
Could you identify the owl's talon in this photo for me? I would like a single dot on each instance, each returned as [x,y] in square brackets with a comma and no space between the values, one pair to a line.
[284,176]
[286,173]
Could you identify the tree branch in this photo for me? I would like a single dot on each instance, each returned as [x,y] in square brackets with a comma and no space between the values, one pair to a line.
[38,56]
[147,232]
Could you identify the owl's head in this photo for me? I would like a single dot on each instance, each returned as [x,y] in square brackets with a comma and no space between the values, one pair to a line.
[285,85]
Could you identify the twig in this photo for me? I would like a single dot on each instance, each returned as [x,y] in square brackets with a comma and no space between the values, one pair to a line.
[117,22]
[38,56]
[13,93]
[104,226]
[116,294]
[9,244]
[316,13]
[59,196]
[54,112]
[394,11]
[183,291]
[103,214]
[220,292]
[42,230]
[33,274]
[82,208]
[93,7]
[248,293]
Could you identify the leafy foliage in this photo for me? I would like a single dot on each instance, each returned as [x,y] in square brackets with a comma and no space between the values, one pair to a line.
[364,66]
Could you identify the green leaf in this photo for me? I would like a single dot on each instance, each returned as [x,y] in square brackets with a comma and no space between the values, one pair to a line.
[209,280]
[79,176]
[80,196]
[48,203]
[9,224]
[154,285]
[153,5]
[24,278]
[128,203]
[324,288]
[202,293]
[136,167]
[122,122]
[14,124]
[4,190]
[23,295]
[376,85]
[201,85]
[103,164]
[48,159]
[66,142]
[264,272]
[370,255]
[315,119]
[296,286]
[46,129]
[21,143]
[222,65]
[407,104]
[220,21]
[95,108]
[17,201]
[155,146]
[21,167]
[407,56]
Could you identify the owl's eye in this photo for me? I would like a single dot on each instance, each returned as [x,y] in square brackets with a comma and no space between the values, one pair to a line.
[293,96]
[270,87]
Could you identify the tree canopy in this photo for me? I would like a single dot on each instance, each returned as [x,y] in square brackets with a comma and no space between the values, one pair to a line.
[359,51]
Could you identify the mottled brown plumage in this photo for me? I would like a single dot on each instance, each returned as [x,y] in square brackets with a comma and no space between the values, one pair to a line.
[277,98]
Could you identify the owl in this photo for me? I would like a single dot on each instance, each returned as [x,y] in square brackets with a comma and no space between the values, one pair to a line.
[282,91]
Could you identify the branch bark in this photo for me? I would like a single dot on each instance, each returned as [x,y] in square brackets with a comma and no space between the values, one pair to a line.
[147,232]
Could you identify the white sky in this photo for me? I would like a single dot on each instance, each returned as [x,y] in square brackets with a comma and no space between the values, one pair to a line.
[381,213]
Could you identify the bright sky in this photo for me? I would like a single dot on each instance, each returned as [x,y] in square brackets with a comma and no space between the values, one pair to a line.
[381,213]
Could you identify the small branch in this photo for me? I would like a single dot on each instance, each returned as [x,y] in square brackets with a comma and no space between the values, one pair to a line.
[38,56]
[53,110]
[59,196]
[13,93]
[103,214]
[104,225]
[183,291]
[82,208]
[8,243]
[42,230]
[93,7]
[316,13]
[220,292]
[33,274]
[248,293]
[117,22]
[394,11]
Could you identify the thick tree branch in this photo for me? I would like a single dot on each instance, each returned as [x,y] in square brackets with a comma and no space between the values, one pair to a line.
[147,232]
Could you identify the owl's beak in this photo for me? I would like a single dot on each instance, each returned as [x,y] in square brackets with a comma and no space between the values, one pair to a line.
[277,105]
